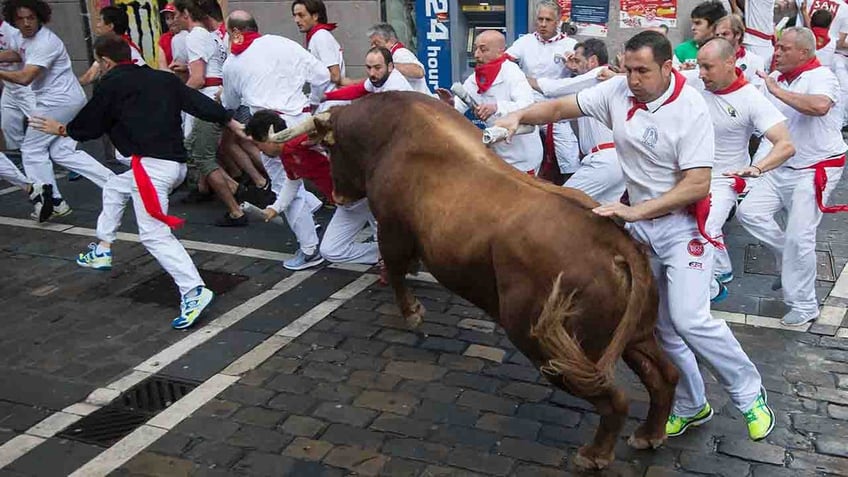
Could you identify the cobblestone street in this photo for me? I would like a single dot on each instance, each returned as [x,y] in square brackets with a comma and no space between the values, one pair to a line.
[314,373]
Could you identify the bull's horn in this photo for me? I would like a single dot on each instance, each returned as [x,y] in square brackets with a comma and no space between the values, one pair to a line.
[306,127]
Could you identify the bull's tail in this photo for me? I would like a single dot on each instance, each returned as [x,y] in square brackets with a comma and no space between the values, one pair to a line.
[566,356]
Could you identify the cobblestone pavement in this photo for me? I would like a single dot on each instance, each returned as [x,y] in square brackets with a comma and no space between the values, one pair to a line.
[311,374]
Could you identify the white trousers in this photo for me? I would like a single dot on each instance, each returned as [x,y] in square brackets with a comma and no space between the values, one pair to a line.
[299,211]
[15,108]
[680,262]
[10,172]
[340,245]
[795,247]
[723,199]
[39,148]
[599,176]
[154,234]
[566,147]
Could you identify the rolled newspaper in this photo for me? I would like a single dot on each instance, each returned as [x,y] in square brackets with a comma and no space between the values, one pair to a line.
[258,213]
[496,134]
[460,92]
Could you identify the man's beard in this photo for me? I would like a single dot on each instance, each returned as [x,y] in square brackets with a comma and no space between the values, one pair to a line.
[381,81]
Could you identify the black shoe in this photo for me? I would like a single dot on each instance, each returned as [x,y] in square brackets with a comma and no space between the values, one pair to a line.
[228,221]
[259,196]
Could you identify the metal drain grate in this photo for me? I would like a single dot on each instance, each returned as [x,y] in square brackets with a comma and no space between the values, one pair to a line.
[105,426]
[154,394]
[760,260]
[133,408]
[161,289]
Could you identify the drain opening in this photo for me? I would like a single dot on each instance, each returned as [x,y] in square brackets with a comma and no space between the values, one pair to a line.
[161,289]
[134,407]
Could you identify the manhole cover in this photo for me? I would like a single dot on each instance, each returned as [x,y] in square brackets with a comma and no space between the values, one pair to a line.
[162,290]
[133,408]
[154,394]
[105,426]
[760,260]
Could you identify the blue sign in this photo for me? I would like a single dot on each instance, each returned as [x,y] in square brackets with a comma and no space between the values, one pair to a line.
[590,11]
[434,42]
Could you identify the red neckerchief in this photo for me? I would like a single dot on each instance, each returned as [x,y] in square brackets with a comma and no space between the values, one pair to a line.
[822,37]
[737,84]
[317,27]
[557,37]
[794,74]
[221,31]
[130,42]
[679,82]
[396,47]
[485,74]
[740,53]
[247,40]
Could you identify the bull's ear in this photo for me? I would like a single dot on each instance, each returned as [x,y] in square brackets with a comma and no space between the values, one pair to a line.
[323,130]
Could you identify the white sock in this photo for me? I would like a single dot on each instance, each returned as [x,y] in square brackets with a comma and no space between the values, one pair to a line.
[100,250]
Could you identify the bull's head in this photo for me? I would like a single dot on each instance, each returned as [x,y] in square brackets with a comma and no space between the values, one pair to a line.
[348,175]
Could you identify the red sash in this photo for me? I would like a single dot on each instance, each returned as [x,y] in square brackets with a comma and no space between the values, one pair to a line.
[212,82]
[601,147]
[764,36]
[149,197]
[701,212]
[347,93]
[303,162]
[739,184]
[820,183]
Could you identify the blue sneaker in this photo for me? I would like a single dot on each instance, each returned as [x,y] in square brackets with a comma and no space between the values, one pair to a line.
[725,278]
[301,261]
[94,260]
[194,302]
[721,293]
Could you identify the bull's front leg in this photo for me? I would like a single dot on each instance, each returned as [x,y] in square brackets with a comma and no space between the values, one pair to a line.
[398,252]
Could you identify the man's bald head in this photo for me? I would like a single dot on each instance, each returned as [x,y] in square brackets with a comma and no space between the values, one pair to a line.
[488,46]
[717,48]
[242,21]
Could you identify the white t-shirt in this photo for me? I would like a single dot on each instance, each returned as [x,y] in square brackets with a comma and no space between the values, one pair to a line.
[395,82]
[136,57]
[750,63]
[179,49]
[201,44]
[323,45]
[825,54]
[538,58]
[759,16]
[590,131]
[837,8]
[655,145]
[511,92]
[736,117]
[10,39]
[815,137]
[56,85]
[402,56]
[270,74]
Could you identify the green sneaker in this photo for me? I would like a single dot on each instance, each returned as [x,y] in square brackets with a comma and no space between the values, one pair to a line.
[677,425]
[760,418]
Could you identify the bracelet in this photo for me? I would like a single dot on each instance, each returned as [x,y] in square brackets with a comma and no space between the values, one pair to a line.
[757,168]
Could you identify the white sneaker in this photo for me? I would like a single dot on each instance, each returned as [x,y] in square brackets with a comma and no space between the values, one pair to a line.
[41,196]
[58,210]
[797,318]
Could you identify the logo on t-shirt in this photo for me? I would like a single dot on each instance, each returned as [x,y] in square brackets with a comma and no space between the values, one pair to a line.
[650,136]
[695,248]
[730,111]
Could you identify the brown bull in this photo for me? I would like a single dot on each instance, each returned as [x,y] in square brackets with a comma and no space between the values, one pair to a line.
[572,290]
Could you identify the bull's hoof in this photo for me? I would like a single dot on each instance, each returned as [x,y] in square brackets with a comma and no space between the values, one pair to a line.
[640,442]
[415,315]
[588,458]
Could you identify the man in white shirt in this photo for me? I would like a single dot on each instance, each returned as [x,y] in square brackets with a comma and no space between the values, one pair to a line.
[405,62]
[58,94]
[206,55]
[807,94]
[542,54]
[499,87]
[759,28]
[732,29]
[738,111]
[310,16]
[17,101]
[339,243]
[599,174]
[269,72]
[664,137]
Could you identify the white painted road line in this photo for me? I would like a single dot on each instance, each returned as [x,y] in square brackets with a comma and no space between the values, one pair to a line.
[48,427]
[134,443]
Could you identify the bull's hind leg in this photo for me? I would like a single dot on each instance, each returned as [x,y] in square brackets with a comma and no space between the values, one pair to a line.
[398,252]
[659,376]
